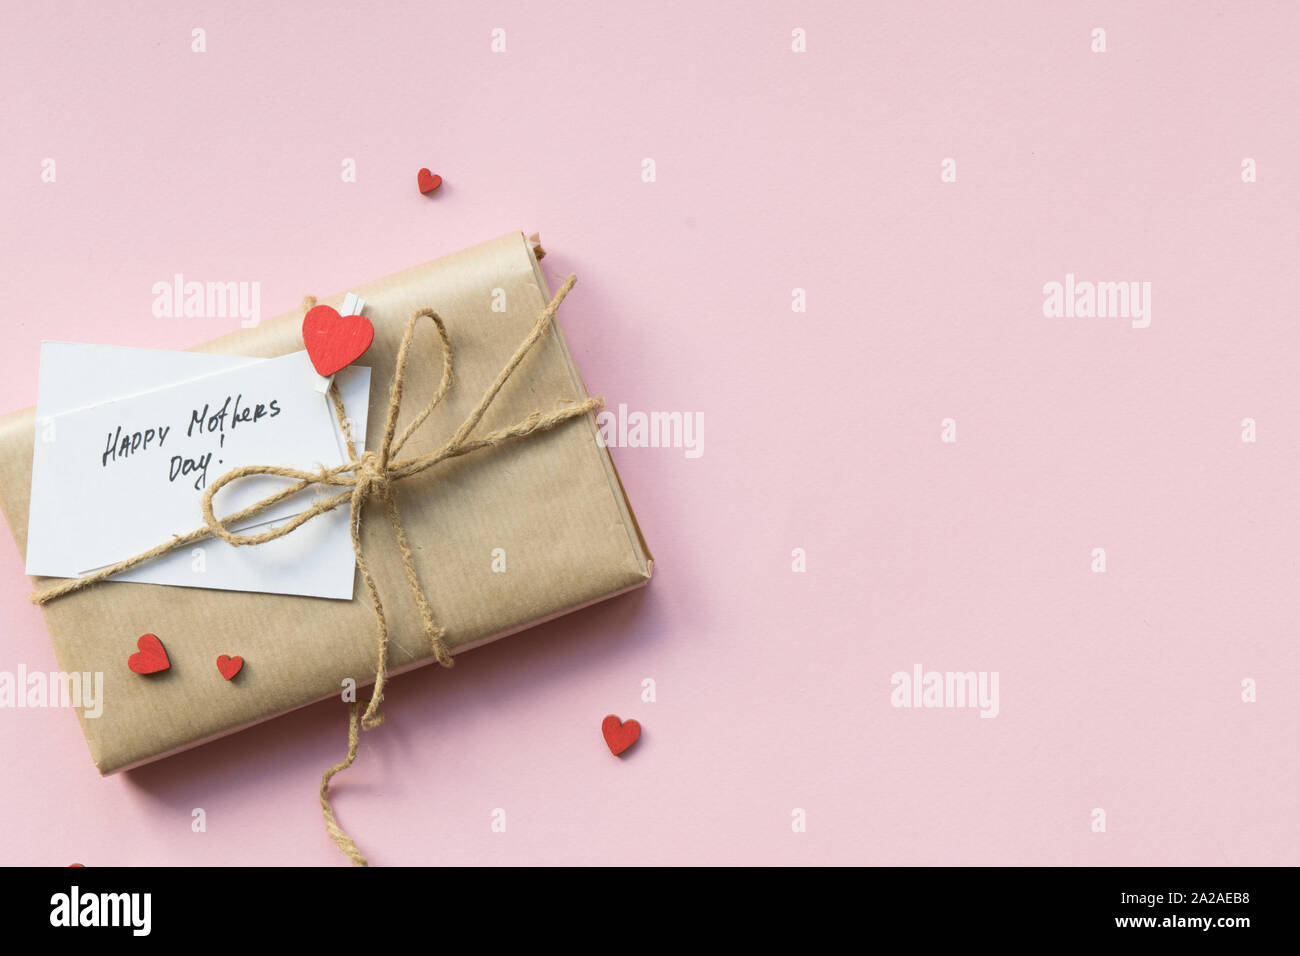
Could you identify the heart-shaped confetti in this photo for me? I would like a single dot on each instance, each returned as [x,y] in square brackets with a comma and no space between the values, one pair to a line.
[229,666]
[428,181]
[335,341]
[151,658]
[619,734]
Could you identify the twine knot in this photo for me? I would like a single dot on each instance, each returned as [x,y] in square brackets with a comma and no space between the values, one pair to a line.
[370,473]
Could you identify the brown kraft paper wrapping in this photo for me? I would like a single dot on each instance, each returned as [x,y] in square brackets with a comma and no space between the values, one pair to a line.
[553,502]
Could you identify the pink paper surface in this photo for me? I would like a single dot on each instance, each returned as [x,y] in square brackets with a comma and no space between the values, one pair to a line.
[775,170]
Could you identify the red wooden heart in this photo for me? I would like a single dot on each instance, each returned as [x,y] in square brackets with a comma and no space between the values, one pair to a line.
[619,734]
[335,341]
[428,181]
[151,657]
[229,666]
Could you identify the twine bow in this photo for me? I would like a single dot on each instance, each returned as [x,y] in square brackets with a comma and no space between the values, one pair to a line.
[372,473]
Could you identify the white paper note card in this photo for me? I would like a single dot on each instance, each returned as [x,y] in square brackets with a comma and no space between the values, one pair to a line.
[127,440]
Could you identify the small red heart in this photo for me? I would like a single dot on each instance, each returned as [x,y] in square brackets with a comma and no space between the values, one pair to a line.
[619,734]
[335,341]
[229,666]
[428,181]
[151,658]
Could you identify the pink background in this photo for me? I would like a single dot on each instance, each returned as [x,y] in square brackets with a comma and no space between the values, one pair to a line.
[775,170]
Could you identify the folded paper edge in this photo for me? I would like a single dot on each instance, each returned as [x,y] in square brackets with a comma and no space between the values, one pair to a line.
[637,539]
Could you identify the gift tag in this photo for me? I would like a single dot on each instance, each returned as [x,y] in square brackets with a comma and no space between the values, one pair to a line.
[128,439]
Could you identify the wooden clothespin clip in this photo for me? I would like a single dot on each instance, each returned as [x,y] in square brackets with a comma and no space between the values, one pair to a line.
[333,343]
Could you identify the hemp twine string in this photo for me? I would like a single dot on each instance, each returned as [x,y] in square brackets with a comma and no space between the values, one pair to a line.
[364,475]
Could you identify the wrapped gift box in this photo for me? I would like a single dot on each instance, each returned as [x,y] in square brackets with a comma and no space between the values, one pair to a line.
[553,503]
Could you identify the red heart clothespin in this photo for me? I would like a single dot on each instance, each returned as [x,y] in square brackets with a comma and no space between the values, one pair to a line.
[335,341]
